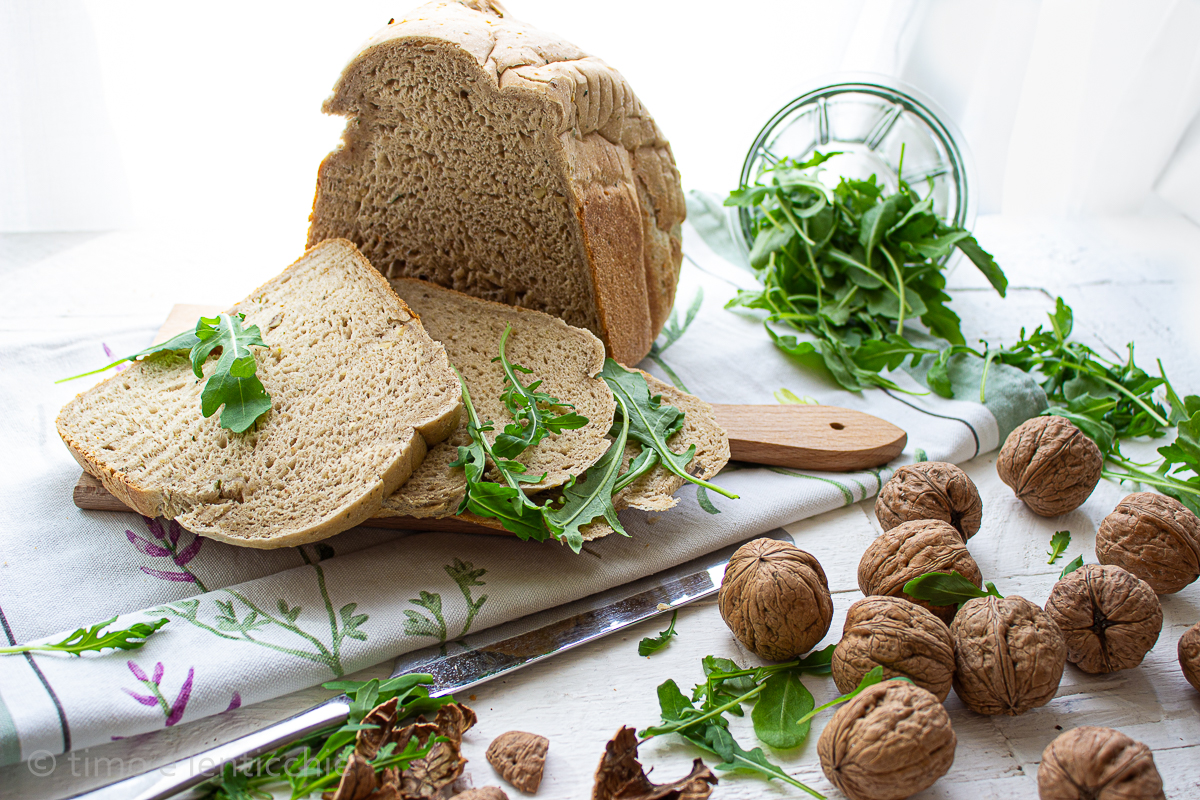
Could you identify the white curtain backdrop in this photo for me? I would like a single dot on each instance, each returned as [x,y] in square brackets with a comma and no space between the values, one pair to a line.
[120,113]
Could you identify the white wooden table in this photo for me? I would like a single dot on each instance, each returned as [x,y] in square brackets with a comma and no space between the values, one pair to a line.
[1128,279]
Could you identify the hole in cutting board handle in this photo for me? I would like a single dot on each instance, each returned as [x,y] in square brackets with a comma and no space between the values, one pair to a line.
[837,426]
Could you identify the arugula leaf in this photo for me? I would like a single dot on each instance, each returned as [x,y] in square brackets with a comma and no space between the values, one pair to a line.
[233,383]
[1075,564]
[652,644]
[531,423]
[95,639]
[946,589]
[784,700]
[1059,542]
[651,422]
[590,497]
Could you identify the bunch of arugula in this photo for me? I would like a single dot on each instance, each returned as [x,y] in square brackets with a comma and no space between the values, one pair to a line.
[849,267]
[315,764]
[233,384]
[640,418]
[782,712]
[1111,400]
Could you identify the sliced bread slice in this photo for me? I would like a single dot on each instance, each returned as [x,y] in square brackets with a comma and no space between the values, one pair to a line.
[566,360]
[499,160]
[358,392]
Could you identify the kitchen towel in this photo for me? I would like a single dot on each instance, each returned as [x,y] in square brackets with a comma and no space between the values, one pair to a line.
[247,625]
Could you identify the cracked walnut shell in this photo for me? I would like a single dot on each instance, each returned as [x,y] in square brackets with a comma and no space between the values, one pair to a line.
[1189,655]
[908,551]
[1090,763]
[520,758]
[1155,537]
[906,640]
[775,599]
[1008,654]
[1050,464]
[890,742]
[930,490]
[1108,617]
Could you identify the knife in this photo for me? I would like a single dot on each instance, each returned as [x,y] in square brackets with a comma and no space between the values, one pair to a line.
[485,655]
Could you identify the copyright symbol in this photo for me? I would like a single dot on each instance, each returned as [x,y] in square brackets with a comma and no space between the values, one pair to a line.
[41,763]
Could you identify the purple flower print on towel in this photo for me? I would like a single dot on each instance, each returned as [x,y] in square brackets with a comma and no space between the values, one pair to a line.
[172,711]
[111,357]
[168,547]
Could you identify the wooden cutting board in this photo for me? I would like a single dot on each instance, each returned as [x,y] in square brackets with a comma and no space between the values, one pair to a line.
[813,437]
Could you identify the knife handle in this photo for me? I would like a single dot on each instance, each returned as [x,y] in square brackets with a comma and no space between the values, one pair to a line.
[809,436]
[188,772]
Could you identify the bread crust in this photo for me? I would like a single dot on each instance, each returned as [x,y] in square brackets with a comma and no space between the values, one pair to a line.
[154,501]
[623,184]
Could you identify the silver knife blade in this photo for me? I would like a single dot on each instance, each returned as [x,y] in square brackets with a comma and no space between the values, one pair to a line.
[483,656]
[533,638]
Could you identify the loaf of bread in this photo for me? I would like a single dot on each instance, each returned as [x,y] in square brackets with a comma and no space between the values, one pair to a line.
[358,393]
[566,359]
[490,157]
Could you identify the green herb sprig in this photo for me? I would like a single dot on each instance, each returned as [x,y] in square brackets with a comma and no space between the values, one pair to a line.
[848,268]
[233,384]
[315,764]
[95,639]
[639,417]
[780,700]
[1059,543]
[652,644]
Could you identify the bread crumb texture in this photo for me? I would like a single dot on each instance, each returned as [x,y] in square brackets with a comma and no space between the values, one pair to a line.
[358,391]
[490,157]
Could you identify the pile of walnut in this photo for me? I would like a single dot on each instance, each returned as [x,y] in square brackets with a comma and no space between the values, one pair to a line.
[1000,655]
[519,758]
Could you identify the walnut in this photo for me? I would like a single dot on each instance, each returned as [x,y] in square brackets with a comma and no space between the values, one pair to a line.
[1155,537]
[1008,654]
[775,599]
[1050,464]
[520,758]
[903,638]
[620,775]
[930,490]
[891,741]
[1189,655]
[1108,617]
[1096,764]
[908,551]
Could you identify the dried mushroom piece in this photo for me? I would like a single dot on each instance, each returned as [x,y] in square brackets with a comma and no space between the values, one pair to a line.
[620,775]
[910,550]
[425,778]
[930,490]
[1155,537]
[1098,764]
[1050,464]
[520,758]
[906,640]
[1108,617]
[890,742]
[1189,655]
[1008,653]
[486,793]
[775,599]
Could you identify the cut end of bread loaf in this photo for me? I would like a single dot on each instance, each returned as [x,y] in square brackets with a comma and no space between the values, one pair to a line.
[492,158]
[564,358]
[358,392]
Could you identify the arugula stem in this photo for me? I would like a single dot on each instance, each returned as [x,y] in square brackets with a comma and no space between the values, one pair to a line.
[685,724]
[899,284]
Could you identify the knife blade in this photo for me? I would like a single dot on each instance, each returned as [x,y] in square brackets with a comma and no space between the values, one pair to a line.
[483,656]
